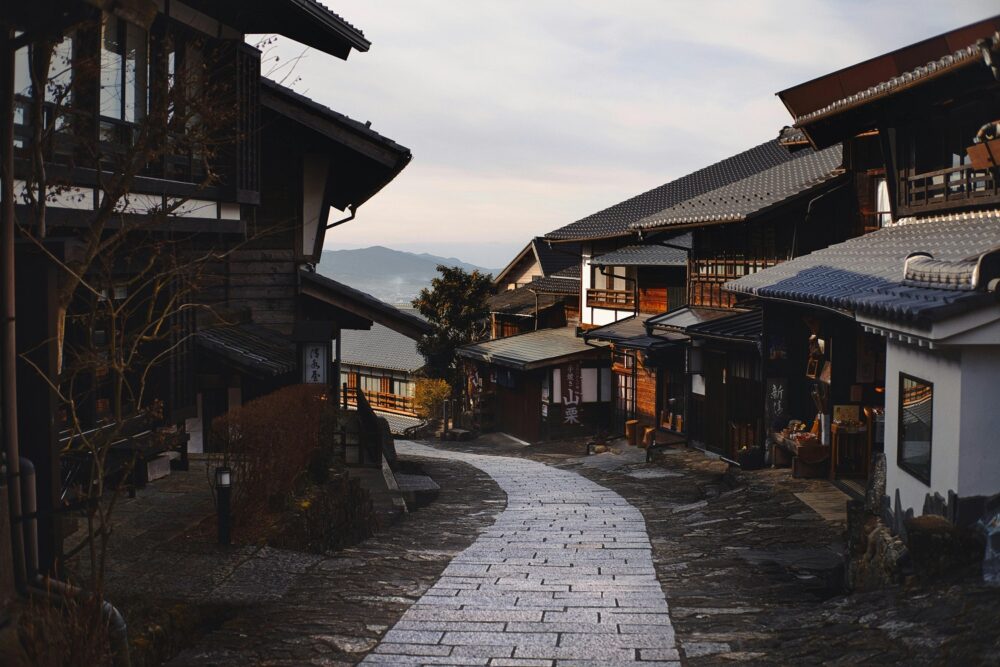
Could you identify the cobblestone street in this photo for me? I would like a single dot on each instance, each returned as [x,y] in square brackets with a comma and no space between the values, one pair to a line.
[542,556]
[564,576]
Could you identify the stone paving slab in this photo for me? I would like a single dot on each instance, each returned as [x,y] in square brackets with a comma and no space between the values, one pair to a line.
[564,576]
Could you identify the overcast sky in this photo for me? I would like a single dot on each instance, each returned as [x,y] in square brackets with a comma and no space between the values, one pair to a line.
[525,115]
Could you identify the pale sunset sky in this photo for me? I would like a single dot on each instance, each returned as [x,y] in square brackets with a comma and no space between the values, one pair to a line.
[525,115]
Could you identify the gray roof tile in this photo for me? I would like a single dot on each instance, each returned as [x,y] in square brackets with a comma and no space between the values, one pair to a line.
[381,347]
[648,254]
[259,350]
[961,58]
[531,350]
[865,275]
[615,220]
[754,194]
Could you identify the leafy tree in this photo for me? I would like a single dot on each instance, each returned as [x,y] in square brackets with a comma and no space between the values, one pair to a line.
[455,305]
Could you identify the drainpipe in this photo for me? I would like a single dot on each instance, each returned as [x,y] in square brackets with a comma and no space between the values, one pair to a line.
[809,208]
[353,209]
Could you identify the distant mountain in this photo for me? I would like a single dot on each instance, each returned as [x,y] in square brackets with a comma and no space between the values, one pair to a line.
[391,275]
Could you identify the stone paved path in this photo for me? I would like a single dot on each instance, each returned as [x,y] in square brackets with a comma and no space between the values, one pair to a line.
[564,577]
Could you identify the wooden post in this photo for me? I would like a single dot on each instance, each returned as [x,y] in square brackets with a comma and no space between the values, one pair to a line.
[8,332]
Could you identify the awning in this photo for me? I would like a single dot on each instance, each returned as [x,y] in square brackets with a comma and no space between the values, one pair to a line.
[745,327]
[536,349]
[259,351]
[360,304]
[649,254]
[679,320]
[738,325]
[631,333]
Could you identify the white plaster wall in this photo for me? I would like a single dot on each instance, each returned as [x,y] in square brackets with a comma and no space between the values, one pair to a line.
[595,316]
[522,275]
[979,457]
[314,171]
[944,370]
[585,284]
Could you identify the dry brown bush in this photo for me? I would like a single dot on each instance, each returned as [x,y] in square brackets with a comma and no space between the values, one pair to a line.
[269,443]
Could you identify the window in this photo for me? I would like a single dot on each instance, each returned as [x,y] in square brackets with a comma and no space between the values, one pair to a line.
[916,408]
[124,71]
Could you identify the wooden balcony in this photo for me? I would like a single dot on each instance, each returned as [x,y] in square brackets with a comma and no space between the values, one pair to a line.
[403,405]
[611,299]
[948,188]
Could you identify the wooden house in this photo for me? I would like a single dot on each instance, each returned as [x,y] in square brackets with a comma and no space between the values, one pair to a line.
[542,385]
[924,287]
[737,230]
[538,259]
[629,273]
[544,302]
[279,163]
[266,296]
[385,364]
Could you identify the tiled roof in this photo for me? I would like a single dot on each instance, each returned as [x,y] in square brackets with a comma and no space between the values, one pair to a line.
[274,88]
[792,136]
[631,333]
[569,272]
[551,260]
[615,220]
[648,254]
[364,305]
[866,275]
[682,318]
[558,258]
[754,194]
[381,347]
[399,423]
[536,349]
[969,55]
[741,325]
[522,301]
[262,351]
[333,19]
[555,285]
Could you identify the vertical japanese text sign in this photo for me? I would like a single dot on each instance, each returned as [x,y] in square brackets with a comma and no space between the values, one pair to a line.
[572,392]
[315,363]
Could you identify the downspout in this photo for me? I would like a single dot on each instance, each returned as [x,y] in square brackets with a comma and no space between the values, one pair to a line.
[353,209]
[809,209]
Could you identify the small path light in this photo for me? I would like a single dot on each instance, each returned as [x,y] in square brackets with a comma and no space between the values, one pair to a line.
[223,489]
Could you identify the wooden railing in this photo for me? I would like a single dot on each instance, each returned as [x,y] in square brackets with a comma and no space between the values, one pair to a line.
[611,298]
[384,401]
[945,188]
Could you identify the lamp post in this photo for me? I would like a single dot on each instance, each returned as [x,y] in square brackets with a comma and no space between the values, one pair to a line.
[223,490]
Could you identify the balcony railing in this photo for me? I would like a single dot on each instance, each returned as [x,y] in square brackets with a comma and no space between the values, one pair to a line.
[945,188]
[384,401]
[611,299]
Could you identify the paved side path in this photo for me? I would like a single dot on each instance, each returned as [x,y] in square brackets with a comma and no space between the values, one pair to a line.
[564,577]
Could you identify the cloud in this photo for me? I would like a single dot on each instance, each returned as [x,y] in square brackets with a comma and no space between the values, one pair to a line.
[524,115]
